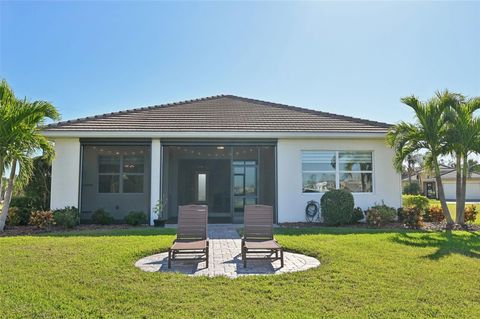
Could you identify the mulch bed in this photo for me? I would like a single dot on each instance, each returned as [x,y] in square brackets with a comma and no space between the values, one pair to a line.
[33,230]
[427,226]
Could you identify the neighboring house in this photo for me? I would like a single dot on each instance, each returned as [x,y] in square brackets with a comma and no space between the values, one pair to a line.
[224,151]
[428,184]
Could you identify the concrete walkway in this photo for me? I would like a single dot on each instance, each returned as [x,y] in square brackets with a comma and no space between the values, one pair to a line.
[225,259]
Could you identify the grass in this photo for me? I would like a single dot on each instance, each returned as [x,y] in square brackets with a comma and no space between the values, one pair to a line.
[364,273]
[452,208]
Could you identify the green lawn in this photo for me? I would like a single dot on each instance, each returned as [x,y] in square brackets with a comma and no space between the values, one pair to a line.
[364,273]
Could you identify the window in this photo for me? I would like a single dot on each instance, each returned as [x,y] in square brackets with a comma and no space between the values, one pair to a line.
[326,170]
[356,171]
[201,187]
[109,174]
[129,167]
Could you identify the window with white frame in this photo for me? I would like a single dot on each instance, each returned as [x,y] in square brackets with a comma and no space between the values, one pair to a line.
[326,170]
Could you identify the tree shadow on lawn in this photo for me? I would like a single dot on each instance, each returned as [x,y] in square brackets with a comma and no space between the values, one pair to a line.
[446,243]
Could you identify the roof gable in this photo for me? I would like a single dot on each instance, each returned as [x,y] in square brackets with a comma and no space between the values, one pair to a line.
[222,113]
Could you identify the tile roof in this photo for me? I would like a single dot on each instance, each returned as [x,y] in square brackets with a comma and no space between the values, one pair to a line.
[222,113]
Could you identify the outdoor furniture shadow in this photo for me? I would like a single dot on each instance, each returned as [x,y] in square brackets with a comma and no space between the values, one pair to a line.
[258,235]
[192,239]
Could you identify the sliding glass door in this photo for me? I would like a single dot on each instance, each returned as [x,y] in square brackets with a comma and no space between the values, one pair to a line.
[224,177]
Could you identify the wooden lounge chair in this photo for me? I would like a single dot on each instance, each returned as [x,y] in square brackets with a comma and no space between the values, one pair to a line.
[192,238]
[258,235]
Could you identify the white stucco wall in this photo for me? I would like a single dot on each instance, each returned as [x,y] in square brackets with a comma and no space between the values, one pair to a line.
[291,200]
[65,173]
[155,179]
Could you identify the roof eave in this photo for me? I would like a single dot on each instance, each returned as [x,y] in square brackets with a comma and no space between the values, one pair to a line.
[210,134]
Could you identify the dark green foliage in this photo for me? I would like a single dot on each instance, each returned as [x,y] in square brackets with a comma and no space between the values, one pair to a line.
[136,218]
[380,214]
[38,187]
[102,217]
[357,215]
[411,189]
[337,207]
[400,214]
[68,217]
[413,216]
[24,207]
[419,201]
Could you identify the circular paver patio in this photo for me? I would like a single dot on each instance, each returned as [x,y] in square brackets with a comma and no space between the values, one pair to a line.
[225,260]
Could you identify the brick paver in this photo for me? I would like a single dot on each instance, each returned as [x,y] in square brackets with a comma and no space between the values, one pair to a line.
[225,259]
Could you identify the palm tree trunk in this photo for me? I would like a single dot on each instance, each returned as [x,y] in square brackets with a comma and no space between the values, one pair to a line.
[461,205]
[459,190]
[8,196]
[441,193]
[1,178]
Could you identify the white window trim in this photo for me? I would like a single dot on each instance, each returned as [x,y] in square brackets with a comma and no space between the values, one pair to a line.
[337,170]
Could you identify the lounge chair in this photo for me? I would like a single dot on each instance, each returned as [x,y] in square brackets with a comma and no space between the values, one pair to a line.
[258,235]
[192,238]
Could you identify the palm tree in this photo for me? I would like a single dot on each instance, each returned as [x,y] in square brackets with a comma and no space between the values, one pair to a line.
[426,134]
[20,139]
[463,136]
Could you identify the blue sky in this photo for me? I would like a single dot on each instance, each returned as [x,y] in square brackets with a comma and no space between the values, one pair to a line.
[350,58]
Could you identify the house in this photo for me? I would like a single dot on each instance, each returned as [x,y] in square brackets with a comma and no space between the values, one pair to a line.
[428,184]
[224,151]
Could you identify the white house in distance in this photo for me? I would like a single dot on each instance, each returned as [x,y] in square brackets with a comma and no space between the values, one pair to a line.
[224,151]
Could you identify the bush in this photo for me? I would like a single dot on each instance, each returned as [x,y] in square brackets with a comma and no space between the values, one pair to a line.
[42,219]
[135,218]
[13,218]
[400,214]
[102,217]
[67,217]
[411,189]
[337,207]
[471,213]
[380,214]
[434,214]
[357,215]
[413,216]
[24,207]
[419,201]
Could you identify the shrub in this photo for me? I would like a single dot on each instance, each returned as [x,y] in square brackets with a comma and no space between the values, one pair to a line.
[24,207]
[434,214]
[42,219]
[380,214]
[357,215]
[411,189]
[102,217]
[419,201]
[400,214]
[471,213]
[135,218]
[413,216]
[67,217]
[13,218]
[337,207]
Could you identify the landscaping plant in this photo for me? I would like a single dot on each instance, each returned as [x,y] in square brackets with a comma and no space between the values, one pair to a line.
[357,215]
[434,214]
[102,217]
[135,218]
[419,201]
[68,217]
[337,207]
[413,216]
[379,215]
[42,219]
[471,213]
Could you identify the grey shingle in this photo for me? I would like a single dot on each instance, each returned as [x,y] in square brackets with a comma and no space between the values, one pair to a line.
[220,113]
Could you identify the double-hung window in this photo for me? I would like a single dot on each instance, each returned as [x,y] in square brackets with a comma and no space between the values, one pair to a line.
[326,170]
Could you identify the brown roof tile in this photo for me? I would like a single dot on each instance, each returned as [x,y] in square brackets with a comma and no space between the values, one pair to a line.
[220,113]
